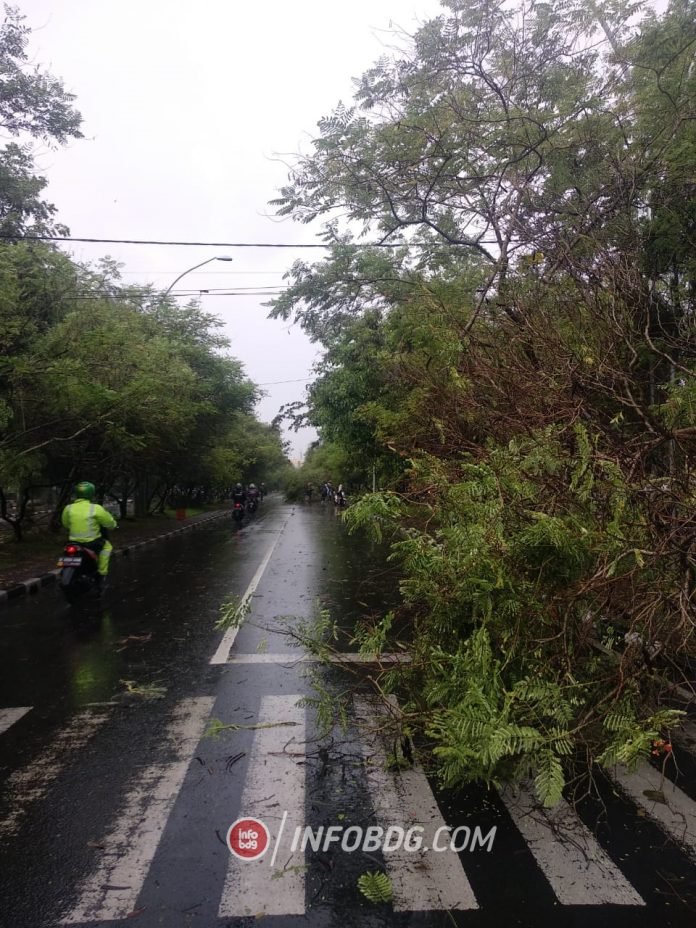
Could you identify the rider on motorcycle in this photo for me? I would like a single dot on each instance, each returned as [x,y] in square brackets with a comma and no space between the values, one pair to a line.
[87,523]
[253,492]
[239,494]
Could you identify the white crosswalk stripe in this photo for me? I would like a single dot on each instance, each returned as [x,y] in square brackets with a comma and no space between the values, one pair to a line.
[112,890]
[9,716]
[275,784]
[674,811]
[422,880]
[29,784]
[579,871]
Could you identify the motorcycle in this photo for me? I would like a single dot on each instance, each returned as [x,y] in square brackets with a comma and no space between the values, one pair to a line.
[237,511]
[79,572]
[252,505]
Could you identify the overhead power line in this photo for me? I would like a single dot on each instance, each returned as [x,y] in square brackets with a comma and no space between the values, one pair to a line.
[271,383]
[140,241]
[149,298]
[207,273]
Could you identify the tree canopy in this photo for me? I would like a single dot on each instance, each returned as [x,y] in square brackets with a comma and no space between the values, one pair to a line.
[507,316]
[117,385]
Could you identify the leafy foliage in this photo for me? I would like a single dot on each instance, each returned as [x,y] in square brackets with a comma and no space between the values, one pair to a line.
[519,368]
[376,887]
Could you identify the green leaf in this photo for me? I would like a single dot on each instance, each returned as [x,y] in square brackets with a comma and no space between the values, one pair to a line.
[376,887]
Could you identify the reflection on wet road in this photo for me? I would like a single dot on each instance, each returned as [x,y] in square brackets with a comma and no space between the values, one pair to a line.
[117,799]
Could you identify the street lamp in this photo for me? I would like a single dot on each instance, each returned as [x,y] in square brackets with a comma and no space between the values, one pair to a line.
[195,267]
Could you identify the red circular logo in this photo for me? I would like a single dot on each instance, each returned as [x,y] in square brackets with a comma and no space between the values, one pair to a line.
[248,838]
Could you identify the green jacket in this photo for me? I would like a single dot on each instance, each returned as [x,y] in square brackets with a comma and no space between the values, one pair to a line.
[85,520]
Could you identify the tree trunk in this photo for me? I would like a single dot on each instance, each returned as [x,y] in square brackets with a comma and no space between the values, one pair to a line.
[141,498]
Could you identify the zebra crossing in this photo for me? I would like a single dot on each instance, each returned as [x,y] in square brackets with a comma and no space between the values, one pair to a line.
[9,716]
[578,870]
[135,835]
[26,786]
[276,797]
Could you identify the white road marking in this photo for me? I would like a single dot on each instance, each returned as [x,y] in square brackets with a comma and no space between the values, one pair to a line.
[577,868]
[222,654]
[422,880]
[9,716]
[677,816]
[294,658]
[275,784]
[29,784]
[112,890]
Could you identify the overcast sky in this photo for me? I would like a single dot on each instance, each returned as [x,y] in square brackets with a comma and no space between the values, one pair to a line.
[186,107]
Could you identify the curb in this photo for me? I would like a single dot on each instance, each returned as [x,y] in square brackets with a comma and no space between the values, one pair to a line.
[35,584]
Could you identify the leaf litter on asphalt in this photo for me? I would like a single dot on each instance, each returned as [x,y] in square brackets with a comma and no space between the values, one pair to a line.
[216,727]
[146,690]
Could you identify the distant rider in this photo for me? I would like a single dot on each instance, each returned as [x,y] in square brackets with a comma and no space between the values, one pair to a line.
[262,489]
[87,523]
[239,494]
[253,493]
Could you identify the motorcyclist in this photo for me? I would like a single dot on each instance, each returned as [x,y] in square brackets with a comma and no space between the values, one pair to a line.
[262,489]
[239,494]
[87,523]
[253,493]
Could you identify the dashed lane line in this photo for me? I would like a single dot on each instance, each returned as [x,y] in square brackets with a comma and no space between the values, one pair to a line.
[222,654]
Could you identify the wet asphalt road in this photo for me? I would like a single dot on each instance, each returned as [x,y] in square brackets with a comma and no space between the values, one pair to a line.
[114,804]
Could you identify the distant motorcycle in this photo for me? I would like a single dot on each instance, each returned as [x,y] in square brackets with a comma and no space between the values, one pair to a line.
[79,571]
[340,498]
[252,505]
[238,511]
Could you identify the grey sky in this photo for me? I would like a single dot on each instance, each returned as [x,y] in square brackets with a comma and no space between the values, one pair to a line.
[185,106]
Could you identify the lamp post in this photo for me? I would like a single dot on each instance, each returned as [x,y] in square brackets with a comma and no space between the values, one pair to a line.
[195,267]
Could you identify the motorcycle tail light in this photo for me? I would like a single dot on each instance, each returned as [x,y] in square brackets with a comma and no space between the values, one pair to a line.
[71,549]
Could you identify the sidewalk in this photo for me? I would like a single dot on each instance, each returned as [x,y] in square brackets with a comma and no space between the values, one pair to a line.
[35,572]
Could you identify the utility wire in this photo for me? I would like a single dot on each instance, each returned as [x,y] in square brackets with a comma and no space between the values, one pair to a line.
[272,383]
[153,297]
[140,241]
